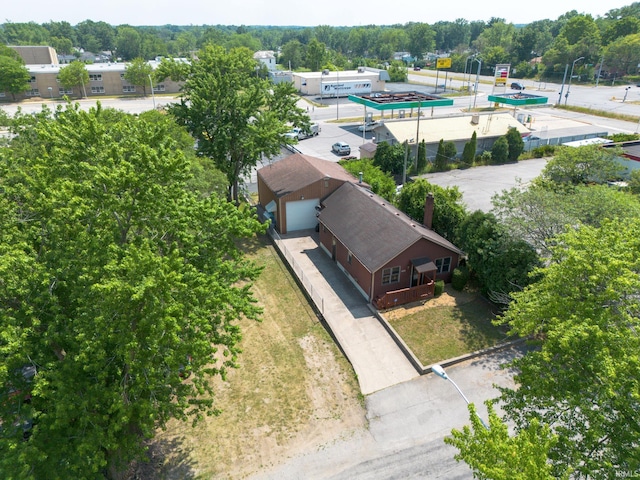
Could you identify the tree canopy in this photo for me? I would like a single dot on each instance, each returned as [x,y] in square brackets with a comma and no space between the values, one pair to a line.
[14,76]
[75,75]
[235,116]
[118,283]
[583,381]
[448,211]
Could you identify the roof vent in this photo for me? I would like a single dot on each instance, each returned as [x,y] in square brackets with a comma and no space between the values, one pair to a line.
[360,69]
[475,119]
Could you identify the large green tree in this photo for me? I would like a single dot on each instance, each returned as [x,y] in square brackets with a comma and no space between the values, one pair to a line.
[582,165]
[500,262]
[235,116]
[14,76]
[75,75]
[583,380]
[118,283]
[541,212]
[448,211]
[494,454]
[138,73]
[623,54]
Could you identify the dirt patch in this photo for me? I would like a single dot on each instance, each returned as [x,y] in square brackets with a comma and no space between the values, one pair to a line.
[449,298]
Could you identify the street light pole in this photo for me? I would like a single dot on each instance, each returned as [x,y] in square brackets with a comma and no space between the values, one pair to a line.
[566,97]
[152,94]
[477,81]
[438,370]
[564,79]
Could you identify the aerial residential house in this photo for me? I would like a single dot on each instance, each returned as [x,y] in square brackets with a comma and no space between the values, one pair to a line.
[267,58]
[391,258]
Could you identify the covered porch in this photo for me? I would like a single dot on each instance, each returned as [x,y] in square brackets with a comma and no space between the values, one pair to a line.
[423,284]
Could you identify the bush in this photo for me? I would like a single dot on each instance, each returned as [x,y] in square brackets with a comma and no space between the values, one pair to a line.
[439,288]
[543,151]
[459,278]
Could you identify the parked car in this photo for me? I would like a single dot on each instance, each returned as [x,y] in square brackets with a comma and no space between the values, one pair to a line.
[368,127]
[301,134]
[341,148]
[416,68]
[517,86]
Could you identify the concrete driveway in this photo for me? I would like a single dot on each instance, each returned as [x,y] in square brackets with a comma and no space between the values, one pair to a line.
[376,359]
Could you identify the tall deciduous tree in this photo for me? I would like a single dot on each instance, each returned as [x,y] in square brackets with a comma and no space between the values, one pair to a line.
[118,283]
[75,75]
[582,165]
[138,73]
[493,454]
[235,116]
[448,211]
[583,381]
[541,212]
[14,76]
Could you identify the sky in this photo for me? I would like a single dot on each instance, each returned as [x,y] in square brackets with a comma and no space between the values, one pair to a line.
[296,12]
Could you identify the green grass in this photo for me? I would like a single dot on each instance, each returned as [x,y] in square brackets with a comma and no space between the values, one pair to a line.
[599,113]
[274,395]
[439,333]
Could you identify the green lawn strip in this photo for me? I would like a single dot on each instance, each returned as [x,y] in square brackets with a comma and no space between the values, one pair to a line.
[439,333]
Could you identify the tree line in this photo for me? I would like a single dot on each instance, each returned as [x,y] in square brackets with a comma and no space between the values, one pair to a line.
[611,40]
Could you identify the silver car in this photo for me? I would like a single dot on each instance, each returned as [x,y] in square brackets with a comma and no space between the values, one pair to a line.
[341,148]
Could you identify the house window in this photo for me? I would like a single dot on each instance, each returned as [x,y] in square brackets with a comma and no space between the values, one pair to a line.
[65,91]
[34,92]
[97,89]
[129,88]
[2,95]
[95,77]
[33,79]
[443,264]
[122,76]
[349,258]
[158,88]
[390,275]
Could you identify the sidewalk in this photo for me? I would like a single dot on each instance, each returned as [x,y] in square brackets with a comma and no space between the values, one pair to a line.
[376,359]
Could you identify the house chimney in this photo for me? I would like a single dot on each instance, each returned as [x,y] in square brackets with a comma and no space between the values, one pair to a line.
[428,211]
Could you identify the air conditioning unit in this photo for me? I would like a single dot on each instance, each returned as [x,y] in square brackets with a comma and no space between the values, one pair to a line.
[475,119]
[360,69]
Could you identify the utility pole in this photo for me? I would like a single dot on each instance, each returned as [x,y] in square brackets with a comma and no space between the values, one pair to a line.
[564,79]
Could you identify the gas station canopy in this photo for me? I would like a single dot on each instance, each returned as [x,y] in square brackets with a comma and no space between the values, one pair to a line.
[400,100]
[517,99]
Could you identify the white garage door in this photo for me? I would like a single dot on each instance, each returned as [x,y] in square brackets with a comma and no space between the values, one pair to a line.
[301,214]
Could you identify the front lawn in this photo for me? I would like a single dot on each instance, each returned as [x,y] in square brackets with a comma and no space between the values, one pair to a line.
[447,326]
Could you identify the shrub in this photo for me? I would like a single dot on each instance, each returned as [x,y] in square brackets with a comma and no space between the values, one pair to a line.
[439,288]
[543,151]
[459,278]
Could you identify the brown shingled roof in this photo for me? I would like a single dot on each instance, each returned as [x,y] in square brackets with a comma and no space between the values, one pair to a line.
[372,229]
[298,171]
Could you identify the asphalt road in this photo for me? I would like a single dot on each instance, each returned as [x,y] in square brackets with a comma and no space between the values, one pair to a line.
[407,426]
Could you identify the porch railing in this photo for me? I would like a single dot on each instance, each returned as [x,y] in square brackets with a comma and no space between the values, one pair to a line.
[405,295]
